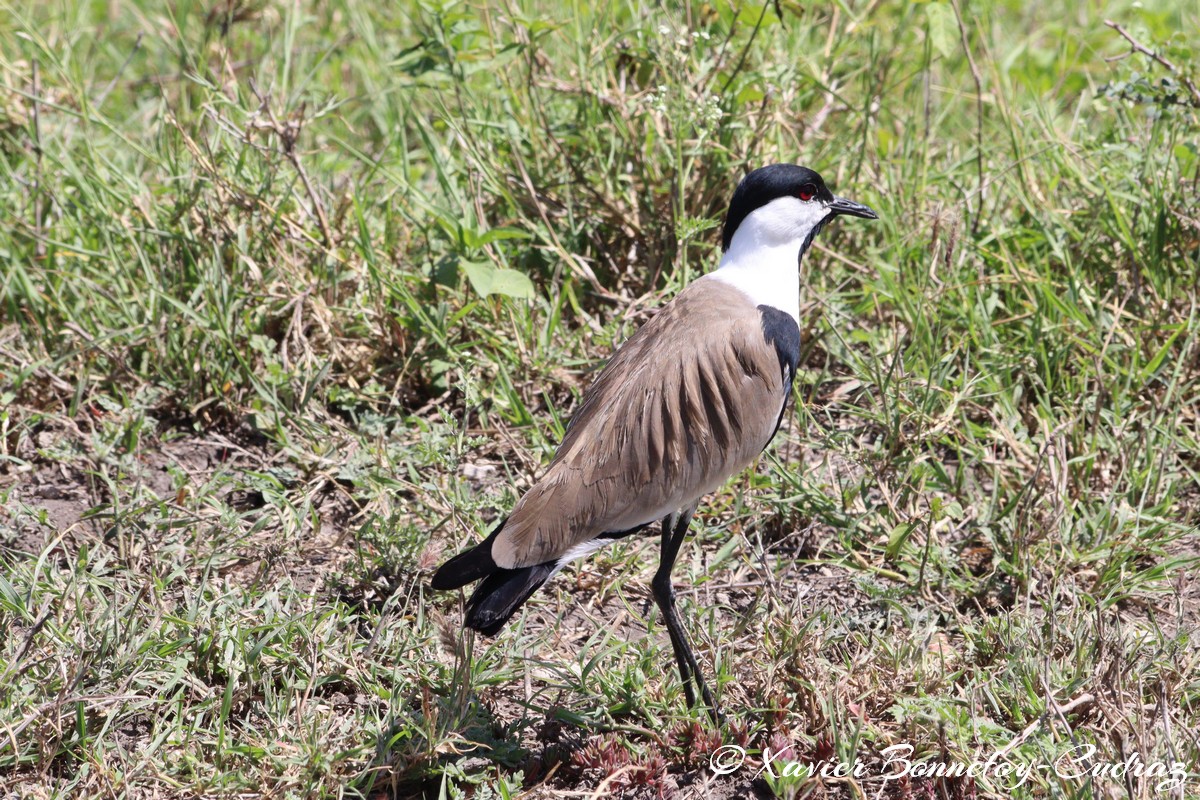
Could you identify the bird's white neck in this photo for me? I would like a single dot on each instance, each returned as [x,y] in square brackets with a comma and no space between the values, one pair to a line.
[768,275]
[763,259]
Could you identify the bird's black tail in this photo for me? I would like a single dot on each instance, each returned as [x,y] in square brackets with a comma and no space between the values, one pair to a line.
[469,565]
[500,593]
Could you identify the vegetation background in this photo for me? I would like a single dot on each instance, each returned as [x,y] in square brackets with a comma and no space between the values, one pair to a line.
[296,297]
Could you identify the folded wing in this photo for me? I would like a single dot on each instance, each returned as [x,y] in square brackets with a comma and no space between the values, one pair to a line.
[692,398]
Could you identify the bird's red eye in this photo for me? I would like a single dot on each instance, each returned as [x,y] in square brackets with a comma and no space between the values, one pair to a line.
[807,192]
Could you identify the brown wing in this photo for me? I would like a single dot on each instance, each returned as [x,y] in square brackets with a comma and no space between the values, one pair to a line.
[687,401]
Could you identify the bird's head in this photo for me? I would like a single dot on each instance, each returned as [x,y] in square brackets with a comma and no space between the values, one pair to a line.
[783,203]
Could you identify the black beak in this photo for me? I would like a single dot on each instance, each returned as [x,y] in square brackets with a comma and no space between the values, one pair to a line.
[841,205]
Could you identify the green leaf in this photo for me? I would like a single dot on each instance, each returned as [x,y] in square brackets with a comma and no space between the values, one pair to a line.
[496,234]
[899,536]
[486,279]
[750,94]
[942,27]
[511,283]
[689,227]
[1161,355]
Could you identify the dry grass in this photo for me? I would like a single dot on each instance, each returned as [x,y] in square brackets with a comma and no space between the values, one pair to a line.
[296,300]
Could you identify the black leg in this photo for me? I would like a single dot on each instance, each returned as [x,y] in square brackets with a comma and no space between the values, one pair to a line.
[674,531]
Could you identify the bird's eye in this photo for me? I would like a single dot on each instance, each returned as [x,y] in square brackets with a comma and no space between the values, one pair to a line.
[807,192]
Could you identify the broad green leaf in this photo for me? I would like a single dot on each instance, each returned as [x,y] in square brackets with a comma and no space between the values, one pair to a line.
[942,27]
[511,283]
[750,94]
[899,536]
[486,279]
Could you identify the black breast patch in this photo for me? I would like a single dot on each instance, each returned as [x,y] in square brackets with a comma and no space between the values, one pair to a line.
[782,331]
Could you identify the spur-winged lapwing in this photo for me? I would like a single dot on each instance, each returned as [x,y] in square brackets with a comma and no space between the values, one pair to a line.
[689,400]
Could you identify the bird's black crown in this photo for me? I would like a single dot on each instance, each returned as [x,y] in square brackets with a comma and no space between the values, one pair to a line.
[770,183]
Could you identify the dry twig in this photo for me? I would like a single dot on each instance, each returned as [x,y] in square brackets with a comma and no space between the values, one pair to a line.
[39,245]
[288,135]
[962,33]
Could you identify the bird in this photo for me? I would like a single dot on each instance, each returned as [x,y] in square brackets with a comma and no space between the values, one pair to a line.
[689,400]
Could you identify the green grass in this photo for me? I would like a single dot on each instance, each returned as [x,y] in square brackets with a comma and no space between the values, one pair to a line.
[297,297]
